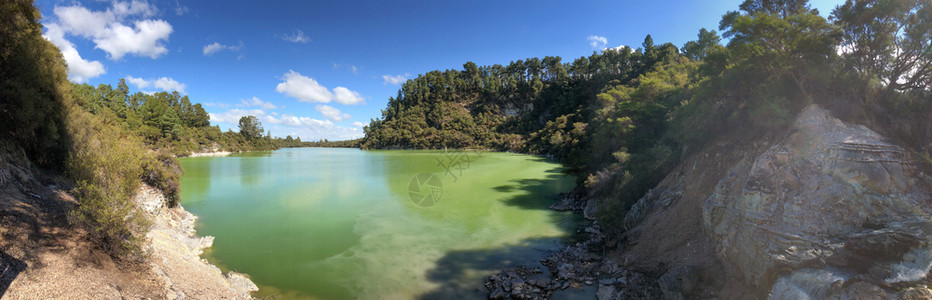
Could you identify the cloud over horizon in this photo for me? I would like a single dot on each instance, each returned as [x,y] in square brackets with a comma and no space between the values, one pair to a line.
[306,89]
[331,112]
[287,124]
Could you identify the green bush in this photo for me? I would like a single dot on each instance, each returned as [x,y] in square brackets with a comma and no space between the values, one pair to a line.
[161,170]
[106,165]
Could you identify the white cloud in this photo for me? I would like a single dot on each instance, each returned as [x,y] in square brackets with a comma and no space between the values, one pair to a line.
[597,41]
[257,102]
[309,129]
[81,21]
[180,9]
[215,47]
[295,121]
[107,30]
[318,132]
[331,112]
[306,89]
[360,124]
[303,88]
[143,40]
[79,69]
[162,83]
[232,116]
[395,79]
[216,104]
[619,48]
[297,37]
[345,96]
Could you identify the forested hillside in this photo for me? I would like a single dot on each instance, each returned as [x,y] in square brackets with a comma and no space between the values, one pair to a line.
[620,118]
[171,122]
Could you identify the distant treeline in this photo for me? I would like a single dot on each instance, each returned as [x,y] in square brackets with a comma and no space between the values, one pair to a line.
[619,119]
[355,143]
[171,122]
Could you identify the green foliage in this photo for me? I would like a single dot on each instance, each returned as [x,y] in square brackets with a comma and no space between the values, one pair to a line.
[355,143]
[161,170]
[780,38]
[888,40]
[32,81]
[106,166]
[250,127]
[618,119]
[499,107]
[699,49]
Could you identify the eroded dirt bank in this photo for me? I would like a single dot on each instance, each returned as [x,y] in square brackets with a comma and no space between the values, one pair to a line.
[42,256]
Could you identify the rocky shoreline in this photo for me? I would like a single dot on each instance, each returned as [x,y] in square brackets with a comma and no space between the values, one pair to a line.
[210,154]
[174,254]
[578,265]
[827,210]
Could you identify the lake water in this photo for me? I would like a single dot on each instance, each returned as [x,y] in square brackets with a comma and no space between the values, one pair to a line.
[321,223]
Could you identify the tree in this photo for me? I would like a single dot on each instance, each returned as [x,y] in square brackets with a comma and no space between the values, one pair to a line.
[890,40]
[250,127]
[198,116]
[698,49]
[157,113]
[783,37]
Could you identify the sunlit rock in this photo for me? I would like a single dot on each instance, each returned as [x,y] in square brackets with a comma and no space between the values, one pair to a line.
[829,195]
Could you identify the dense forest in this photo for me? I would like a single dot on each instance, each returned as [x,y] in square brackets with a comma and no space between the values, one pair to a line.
[103,139]
[619,119]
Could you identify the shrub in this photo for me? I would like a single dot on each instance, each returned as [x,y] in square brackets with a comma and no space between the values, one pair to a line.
[106,166]
[162,171]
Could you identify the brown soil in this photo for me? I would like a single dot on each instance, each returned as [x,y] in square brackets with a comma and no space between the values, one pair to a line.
[43,256]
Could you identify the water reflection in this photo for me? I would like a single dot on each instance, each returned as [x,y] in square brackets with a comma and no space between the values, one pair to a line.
[199,169]
[250,171]
[338,224]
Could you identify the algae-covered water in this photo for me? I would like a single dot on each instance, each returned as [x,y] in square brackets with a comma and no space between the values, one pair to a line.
[350,224]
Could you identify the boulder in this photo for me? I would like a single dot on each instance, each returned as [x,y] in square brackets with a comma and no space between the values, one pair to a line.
[834,199]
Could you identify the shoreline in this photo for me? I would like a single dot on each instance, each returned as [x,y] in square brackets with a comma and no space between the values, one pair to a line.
[175,250]
[209,154]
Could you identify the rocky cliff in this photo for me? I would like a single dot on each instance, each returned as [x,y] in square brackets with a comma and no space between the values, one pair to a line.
[824,209]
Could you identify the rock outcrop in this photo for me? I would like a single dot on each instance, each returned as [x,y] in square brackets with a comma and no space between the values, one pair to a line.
[175,251]
[832,209]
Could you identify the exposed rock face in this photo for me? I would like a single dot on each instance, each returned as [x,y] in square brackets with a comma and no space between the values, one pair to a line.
[175,251]
[832,209]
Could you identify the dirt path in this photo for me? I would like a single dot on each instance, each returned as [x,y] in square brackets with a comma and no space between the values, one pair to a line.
[43,257]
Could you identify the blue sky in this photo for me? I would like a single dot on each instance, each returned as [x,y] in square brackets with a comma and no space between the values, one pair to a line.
[323,69]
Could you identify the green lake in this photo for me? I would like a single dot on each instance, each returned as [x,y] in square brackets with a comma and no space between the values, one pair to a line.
[318,223]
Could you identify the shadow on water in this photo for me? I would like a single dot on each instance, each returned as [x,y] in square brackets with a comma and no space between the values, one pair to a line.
[10,267]
[455,273]
[533,189]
